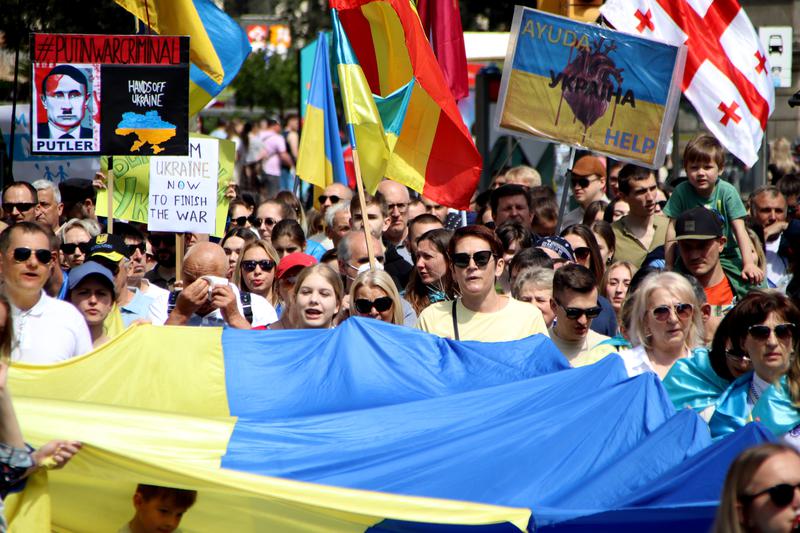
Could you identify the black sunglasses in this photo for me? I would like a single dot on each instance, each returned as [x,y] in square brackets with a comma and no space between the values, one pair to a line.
[381,304]
[142,247]
[582,252]
[581,181]
[240,221]
[482,258]
[269,221]
[333,198]
[783,332]
[23,254]
[22,207]
[159,240]
[781,495]
[682,311]
[265,264]
[574,313]
[69,248]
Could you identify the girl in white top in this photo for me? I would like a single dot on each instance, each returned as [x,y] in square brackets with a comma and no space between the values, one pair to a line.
[666,324]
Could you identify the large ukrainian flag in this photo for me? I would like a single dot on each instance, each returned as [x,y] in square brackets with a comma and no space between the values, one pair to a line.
[218,47]
[366,427]
[319,158]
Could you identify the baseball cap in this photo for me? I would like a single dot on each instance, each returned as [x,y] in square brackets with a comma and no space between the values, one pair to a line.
[588,165]
[293,261]
[109,246]
[74,190]
[90,269]
[559,245]
[698,223]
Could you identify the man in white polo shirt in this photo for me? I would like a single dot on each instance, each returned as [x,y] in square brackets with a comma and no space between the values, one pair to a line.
[46,330]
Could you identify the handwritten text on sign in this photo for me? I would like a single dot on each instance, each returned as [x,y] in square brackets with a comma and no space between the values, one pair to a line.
[183,190]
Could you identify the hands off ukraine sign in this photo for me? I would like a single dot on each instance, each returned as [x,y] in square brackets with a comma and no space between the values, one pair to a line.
[590,87]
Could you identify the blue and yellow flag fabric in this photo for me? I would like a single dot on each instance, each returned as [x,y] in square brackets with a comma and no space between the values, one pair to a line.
[366,427]
[319,159]
[364,123]
[218,46]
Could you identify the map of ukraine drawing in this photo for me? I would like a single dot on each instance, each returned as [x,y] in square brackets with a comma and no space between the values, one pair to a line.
[148,128]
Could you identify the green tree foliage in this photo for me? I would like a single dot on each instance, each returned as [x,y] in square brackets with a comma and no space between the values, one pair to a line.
[270,85]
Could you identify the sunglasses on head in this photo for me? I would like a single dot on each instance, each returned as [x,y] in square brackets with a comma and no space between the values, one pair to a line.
[574,313]
[22,207]
[780,495]
[70,248]
[381,304]
[783,332]
[580,181]
[482,258]
[682,311]
[582,253]
[269,221]
[142,247]
[265,264]
[23,254]
[333,198]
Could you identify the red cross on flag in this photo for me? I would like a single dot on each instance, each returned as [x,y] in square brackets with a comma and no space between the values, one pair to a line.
[727,73]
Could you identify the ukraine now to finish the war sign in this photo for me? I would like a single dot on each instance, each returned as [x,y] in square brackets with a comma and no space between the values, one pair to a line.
[109,94]
[590,87]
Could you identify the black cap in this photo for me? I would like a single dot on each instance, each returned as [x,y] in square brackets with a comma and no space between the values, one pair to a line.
[110,246]
[75,190]
[698,223]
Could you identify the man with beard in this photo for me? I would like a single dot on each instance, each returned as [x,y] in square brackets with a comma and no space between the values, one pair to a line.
[163,275]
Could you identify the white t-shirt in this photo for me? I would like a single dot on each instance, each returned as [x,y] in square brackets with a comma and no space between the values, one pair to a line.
[776,265]
[636,361]
[49,332]
[263,312]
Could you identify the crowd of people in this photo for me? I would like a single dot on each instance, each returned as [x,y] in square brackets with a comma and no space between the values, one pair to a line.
[685,280]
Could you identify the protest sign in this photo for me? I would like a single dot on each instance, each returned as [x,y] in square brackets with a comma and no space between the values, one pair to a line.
[132,176]
[96,94]
[183,190]
[29,167]
[590,87]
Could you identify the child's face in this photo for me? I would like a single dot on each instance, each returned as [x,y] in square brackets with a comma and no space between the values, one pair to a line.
[703,176]
[157,515]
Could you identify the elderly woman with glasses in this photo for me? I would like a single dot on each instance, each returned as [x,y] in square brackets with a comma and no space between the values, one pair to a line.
[666,324]
[476,258]
[765,332]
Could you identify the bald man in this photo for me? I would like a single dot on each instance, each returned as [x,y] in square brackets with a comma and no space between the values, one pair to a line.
[208,299]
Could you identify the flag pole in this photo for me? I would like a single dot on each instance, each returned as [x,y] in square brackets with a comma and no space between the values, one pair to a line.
[110,196]
[363,203]
[565,192]
[179,245]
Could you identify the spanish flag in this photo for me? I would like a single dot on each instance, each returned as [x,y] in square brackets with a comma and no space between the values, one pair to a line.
[217,48]
[434,153]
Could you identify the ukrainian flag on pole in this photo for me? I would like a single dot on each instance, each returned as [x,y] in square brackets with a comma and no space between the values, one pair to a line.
[217,48]
[364,123]
[321,127]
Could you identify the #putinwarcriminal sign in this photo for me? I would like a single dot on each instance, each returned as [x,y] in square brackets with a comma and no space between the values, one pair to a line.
[590,87]
[109,94]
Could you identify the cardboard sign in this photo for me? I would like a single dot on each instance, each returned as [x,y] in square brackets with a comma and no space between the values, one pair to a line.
[777,41]
[590,87]
[132,187]
[73,111]
[183,190]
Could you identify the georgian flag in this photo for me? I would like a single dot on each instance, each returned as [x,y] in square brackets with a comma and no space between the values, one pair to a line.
[727,72]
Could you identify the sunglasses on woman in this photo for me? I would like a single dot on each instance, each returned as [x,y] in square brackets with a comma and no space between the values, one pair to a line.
[783,332]
[23,254]
[582,253]
[461,260]
[265,264]
[682,311]
[780,495]
[241,221]
[70,248]
[269,221]
[381,304]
